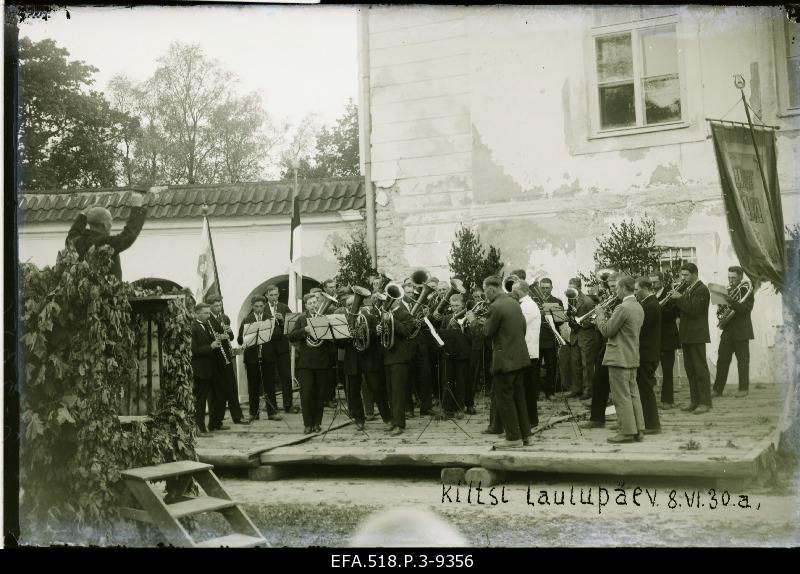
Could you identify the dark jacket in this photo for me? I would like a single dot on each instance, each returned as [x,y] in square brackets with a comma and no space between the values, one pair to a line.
[650,335]
[505,326]
[223,326]
[203,359]
[279,343]
[669,327]
[693,305]
[404,349]
[310,357]
[370,359]
[583,305]
[84,238]
[457,342]
[740,328]
[251,354]
[546,338]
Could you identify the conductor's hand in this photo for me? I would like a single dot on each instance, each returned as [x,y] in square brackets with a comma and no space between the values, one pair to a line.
[215,344]
[137,199]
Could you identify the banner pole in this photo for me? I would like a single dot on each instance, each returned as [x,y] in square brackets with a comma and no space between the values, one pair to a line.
[755,145]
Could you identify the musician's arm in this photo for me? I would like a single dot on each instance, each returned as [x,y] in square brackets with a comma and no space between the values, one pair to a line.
[745,307]
[299,331]
[610,327]
[492,323]
[240,338]
[694,306]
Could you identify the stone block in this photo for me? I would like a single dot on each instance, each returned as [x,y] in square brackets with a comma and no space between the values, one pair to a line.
[453,475]
[484,476]
[267,473]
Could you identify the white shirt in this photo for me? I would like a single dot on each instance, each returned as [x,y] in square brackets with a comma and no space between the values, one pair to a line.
[533,320]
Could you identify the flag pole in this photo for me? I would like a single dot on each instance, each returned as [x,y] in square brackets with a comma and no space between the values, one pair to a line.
[213,256]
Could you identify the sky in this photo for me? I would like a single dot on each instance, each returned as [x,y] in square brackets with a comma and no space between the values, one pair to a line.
[301,59]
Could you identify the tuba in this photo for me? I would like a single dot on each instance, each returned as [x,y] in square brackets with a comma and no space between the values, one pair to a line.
[421,278]
[508,283]
[359,326]
[739,293]
[329,300]
[393,292]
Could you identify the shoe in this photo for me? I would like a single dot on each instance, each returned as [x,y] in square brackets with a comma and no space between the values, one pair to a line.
[459,415]
[527,441]
[490,430]
[372,417]
[241,422]
[396,432]
[621,438]
[254,418]
[652,431]
[507,444]
[359,425]
[639,436]
[741,394]
[275,417]
[471,411]
[221,427]
[689,408]
[317,428]
[716,394]
[702,409]
[388,428]
[308,430]
[667,406]
[591,425]
[205,434]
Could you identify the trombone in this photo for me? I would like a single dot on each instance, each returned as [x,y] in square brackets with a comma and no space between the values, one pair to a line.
[679,289]
[329,300]
[606,305]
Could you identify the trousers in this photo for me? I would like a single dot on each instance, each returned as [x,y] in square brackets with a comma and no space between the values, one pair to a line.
[727,348]
[625,394]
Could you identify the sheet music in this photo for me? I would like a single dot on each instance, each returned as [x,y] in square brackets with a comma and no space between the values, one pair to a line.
[436,336]
[718,293]
[258,332]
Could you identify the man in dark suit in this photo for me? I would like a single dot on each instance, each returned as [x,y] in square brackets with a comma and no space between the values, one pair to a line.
[313,365]
[694,336]
[99,220]
[548,350]
[622,359]
[669,338]
[736,335]
[422,373]
[505,326]
[455,358]
[258,380]
[204,368]
[280,347]
[221,325]
[366,366]
[649,351]
[588,345]
[397,364]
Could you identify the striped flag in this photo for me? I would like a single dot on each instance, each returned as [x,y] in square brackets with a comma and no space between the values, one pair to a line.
[206,284]
[295,252]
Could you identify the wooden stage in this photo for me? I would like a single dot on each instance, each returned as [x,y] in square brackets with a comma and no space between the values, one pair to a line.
[735,441]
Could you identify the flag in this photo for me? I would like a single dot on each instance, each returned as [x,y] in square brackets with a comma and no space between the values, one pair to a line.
[295,249]
[206,284]
[749,178]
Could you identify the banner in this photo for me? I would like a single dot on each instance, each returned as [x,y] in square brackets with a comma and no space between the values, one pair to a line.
[752,202]
[206,283]
[295,252]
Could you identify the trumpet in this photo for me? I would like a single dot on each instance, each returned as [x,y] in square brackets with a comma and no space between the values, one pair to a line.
[479,309]
[741,292]
[393,292]
[605,305]
[679,289]
[329,300]
[359,326]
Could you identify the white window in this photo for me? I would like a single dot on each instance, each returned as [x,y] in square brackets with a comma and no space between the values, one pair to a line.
[788,64]
[671,259]
[636,77]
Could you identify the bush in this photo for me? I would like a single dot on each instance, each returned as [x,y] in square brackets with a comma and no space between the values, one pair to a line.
[77,355]
[355,262]
[469,261]
[629,247]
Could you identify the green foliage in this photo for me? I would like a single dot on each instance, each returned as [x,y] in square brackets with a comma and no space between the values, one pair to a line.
[69,136]
[469,260]
[335,153]
[355,263]
[78,355]
[629,247]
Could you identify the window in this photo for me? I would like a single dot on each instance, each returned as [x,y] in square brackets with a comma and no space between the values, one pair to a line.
[672,258]
[788,63]
[637,72]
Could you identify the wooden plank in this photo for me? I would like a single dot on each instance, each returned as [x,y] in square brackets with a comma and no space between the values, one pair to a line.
[162,471]
[150,500]
[451,125]
[233,541]
[382,18]
[418,52]
[399,456]
[199,505]
[136,514]
[226,457]
[426,32]
[235,516]
[421,109]
[424,147]
[418,71]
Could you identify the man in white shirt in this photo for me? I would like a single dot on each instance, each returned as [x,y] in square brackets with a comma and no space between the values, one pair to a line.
[533,319]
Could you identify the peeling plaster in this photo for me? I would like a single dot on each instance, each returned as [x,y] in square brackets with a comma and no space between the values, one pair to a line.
[491,182]
[666,175]
[381,198]
[566,190]
[633,155]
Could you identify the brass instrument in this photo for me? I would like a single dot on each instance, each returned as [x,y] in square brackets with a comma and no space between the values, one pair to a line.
[572,297]
[393,292]
[359,326]
[480,309]
[329,300]
[456,286]
[681,287]
[422,279]
[508,283]
[725,313]
[607,305]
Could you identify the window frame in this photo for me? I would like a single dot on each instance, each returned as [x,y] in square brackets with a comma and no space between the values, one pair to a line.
[634,28]
[781,57]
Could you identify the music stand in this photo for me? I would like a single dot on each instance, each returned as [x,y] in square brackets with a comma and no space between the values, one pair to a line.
[554,401]
[451,341]
[260,333]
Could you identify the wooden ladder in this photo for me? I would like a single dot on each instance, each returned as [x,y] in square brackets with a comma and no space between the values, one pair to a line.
[154,510]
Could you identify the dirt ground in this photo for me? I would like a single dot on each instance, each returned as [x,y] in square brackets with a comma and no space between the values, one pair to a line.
[325,508]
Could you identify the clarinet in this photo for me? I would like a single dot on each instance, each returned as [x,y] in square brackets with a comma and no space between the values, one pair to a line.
[217,337]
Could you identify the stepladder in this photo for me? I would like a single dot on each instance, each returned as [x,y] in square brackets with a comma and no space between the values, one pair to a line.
[166,515]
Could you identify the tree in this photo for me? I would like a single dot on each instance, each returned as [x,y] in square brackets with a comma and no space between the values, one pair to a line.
[69,136]
[329,151]
[629,247]
[355,262]
[469,260]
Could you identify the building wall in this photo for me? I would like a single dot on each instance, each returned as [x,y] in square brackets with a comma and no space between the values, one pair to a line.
[536,184]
